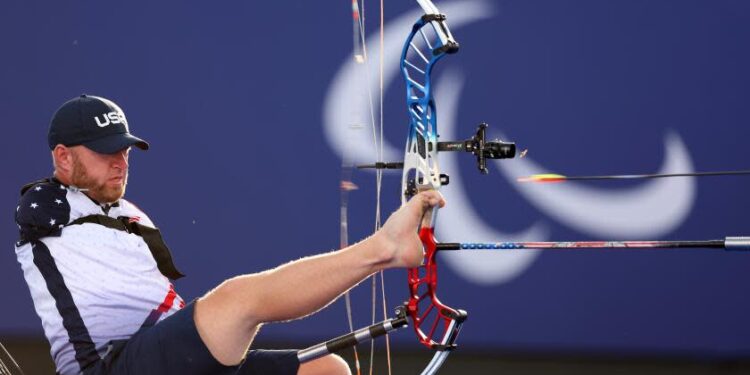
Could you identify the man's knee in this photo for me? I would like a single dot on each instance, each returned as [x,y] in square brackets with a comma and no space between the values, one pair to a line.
[331,364]
[223,329]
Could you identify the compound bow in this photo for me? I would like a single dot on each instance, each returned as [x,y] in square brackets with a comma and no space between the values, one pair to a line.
[436,324]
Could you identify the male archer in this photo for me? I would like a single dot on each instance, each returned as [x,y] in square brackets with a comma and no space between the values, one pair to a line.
[99,272]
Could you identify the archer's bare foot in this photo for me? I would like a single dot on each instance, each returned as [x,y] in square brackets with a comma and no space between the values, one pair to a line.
[399,233]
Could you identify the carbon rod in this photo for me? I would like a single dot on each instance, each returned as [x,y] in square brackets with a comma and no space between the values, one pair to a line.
[547,178]
[662,175]
[351,339]
[729,243]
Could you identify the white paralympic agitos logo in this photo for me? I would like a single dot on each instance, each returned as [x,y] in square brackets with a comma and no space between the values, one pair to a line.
[650,209]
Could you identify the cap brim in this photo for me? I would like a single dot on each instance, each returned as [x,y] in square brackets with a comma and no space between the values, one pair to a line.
[116,142]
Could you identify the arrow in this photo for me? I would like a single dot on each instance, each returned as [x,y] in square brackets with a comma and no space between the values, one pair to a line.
[551,178]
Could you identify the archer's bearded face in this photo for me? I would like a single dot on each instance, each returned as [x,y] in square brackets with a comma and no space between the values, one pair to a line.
[104,175]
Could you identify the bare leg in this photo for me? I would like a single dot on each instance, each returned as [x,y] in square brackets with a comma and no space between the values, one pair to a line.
[228,317]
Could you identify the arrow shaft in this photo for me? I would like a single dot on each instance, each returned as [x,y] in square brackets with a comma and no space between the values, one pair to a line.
[661,175]
[548,178]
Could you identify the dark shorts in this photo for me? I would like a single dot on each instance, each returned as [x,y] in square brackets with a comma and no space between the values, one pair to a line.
[174,347]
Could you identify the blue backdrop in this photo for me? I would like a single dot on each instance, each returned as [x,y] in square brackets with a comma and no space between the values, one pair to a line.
[241,103]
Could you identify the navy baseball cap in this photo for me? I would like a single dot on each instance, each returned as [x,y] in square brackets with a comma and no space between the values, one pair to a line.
[94,122]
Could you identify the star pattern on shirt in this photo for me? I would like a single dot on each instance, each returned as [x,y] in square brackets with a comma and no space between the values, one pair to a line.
[42,211]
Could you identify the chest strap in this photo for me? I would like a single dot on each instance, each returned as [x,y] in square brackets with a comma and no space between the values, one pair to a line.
[151,236]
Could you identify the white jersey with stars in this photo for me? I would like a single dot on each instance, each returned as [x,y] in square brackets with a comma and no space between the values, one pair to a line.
[90,284]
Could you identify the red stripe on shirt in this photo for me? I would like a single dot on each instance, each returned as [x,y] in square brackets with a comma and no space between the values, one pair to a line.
[168,300]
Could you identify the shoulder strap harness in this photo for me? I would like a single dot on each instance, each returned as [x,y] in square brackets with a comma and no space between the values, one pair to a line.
[151,236]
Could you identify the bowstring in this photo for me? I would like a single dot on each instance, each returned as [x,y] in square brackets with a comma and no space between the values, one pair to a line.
[347,168]
[4,368]
[346,186]
[378,140]
[378,218]
[361,57]
[366,62]
[377,135]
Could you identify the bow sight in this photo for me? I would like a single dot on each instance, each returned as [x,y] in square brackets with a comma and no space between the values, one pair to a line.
[476,145]
[482,149]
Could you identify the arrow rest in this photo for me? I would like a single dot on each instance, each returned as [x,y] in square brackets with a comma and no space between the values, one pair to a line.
[412,187]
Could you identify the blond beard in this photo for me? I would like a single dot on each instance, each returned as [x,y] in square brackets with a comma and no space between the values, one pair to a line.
[100,192]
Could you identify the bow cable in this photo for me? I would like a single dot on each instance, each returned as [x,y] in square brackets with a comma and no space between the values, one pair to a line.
[10,368]
[378,219]
[360,56]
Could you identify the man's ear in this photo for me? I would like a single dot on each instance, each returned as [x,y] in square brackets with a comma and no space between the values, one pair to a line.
[62,157]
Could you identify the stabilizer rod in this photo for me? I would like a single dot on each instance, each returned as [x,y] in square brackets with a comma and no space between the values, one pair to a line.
[351,339]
